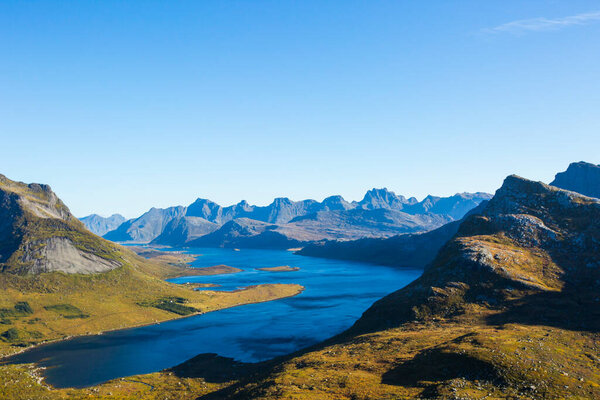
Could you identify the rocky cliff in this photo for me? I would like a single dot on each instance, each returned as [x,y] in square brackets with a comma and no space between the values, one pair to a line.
[580,177]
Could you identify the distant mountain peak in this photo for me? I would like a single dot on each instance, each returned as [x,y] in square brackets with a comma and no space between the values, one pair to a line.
[581,177]
[100,225]
[382,198]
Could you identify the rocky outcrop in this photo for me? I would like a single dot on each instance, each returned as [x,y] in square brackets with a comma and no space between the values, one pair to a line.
[580,177]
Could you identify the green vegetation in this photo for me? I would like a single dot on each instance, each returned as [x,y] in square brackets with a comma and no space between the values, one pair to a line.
[171,304]
[20,309]
[67,311]
[14,335]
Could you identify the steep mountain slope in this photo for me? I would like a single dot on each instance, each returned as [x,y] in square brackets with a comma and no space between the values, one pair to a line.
[183,230]
[147,227]
[99,225]
[248,233]
[580,177]
[39,234]
[508,309]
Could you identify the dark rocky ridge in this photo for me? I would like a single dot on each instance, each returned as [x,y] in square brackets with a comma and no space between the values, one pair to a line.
[580,177]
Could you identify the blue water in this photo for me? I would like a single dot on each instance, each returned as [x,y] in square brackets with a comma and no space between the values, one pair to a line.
[336,294]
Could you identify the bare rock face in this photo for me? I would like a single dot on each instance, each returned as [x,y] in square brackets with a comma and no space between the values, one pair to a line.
[39,234]
[59,254]
[580,177]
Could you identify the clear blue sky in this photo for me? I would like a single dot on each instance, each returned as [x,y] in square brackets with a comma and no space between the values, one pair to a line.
[125,105]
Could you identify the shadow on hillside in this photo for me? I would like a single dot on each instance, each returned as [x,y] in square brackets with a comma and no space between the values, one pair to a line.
[569,309]
[439,365]
[213,368]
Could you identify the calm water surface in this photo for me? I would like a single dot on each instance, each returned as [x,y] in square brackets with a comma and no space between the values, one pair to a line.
[336,294]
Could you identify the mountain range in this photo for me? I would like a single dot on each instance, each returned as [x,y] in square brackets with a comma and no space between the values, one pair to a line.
[381,213]
[418,250]
[508,308]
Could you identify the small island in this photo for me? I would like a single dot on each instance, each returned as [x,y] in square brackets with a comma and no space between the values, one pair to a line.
[216,270]
[281,268]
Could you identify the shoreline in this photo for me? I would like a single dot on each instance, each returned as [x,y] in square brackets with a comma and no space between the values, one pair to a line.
[66,338]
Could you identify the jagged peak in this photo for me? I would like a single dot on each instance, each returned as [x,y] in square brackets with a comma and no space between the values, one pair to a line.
[334,199]
[202,201]
[278,201]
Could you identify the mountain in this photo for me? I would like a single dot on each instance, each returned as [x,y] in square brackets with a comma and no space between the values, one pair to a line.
[183,230]
[455,206]
[335,203]
[100,225]
[408,250]
[383,198]
[507,309]
[580,177]
[360,223]
[301,231]
[147,227]
[381,213]
[404,250]
[39,234]
[248,233]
